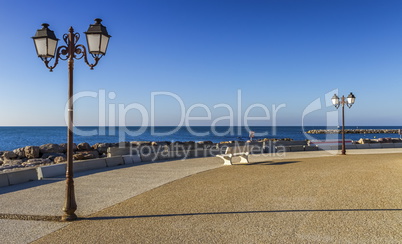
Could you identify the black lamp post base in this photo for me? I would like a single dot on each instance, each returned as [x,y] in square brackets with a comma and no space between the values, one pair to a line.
[69,217]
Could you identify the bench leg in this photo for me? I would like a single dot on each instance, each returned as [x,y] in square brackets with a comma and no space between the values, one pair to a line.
[226,160]
[244,159]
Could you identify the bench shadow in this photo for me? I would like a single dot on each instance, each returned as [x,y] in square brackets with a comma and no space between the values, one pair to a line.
[271,163]
[241,212]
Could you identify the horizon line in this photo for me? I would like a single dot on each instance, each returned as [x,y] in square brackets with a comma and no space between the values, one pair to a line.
[200,126]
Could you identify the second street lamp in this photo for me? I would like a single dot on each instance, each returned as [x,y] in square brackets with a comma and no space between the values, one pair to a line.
[349,101]
[46,43]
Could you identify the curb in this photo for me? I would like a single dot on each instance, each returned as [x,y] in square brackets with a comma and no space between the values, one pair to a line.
[42,172]
[22,176]
[51,171]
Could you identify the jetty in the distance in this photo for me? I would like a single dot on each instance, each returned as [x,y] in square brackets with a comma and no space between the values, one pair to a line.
[356,131]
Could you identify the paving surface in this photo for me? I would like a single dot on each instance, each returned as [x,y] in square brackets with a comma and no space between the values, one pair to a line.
[306,197]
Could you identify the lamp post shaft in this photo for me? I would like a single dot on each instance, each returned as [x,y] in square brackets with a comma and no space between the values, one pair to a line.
[343,126]
[70,205]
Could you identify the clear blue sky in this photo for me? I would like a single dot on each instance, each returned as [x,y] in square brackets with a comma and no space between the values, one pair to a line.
[289,52]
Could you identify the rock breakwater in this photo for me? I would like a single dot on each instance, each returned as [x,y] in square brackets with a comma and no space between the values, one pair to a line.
[48,154]
[355,131]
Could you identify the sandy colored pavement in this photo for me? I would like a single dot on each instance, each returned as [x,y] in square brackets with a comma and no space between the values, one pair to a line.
[337,199]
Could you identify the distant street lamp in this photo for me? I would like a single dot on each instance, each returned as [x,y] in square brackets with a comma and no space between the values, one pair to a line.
[46,44]
[349,101]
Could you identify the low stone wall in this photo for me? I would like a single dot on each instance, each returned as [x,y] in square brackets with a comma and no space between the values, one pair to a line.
[41,172]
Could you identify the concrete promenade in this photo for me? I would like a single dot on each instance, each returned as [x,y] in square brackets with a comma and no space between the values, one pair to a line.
[303,197]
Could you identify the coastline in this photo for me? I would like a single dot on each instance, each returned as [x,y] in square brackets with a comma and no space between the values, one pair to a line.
[21,136]
[54,154]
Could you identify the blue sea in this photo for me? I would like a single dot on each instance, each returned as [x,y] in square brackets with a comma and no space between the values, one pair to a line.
[16,137]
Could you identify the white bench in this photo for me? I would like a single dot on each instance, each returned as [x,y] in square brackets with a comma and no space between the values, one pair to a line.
[236,151]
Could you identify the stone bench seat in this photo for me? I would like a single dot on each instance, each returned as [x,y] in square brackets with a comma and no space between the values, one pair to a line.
[235,151]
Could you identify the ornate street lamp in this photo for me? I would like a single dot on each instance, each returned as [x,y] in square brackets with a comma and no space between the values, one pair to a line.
[46,44]
[349,101]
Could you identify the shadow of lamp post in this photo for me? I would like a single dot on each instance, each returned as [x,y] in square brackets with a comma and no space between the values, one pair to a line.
[349,101]
[46,47]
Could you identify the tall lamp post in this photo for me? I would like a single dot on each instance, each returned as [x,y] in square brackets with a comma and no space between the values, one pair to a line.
[349,101]
[46,44]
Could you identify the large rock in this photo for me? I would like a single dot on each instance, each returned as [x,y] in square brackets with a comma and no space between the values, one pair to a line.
[83,147]
[50,148]
[396,140]
[102,147]
[83,155]
[204,144]
[60,159]
[52,156]
[9,155]
[36,161]
[384,140]
[139,143]
[190,144]
[20,152]
[162,143]
[63,147]
[13,163]
[31,151]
